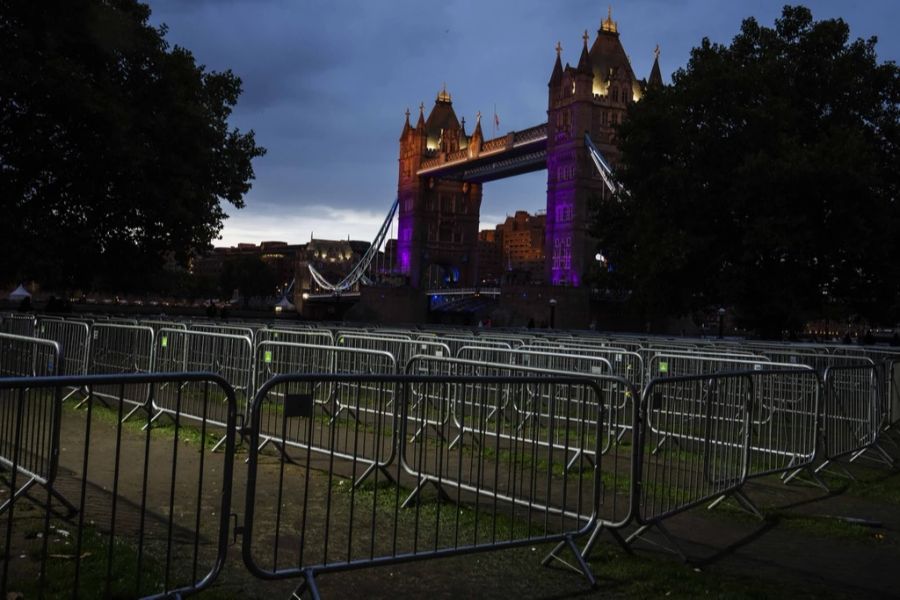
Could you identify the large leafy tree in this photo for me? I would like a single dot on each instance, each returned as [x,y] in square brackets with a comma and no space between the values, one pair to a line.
[115,149]
[764,178]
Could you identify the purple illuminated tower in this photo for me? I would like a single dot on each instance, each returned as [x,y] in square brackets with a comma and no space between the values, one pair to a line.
[438,222]
[591,97]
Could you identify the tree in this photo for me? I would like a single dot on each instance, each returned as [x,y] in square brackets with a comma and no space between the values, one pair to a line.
[251,276]
[764,178]
[115,149]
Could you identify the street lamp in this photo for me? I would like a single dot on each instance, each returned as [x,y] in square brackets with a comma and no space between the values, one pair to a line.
[721,321]
[552,313]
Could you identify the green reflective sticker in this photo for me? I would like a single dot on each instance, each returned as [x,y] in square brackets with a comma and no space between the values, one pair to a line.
[267,357]
[663,367]
[164,340]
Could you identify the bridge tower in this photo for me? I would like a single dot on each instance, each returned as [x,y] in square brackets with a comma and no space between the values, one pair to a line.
[591,97]
[438,218]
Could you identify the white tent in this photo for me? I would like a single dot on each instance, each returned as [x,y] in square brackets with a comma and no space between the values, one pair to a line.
[19,293]
[285,304]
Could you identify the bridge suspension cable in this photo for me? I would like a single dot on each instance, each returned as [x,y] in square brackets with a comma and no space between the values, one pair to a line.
[602,165]
[358,273]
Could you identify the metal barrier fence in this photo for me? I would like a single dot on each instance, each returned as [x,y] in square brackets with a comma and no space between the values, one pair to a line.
[228,356]
[851,419]
[319,337]
[17,324]
[145,515]
[709,416]
[337,413]
[118,349]
[624,363]
[72,337]
[401,349]
[376,469]
[492,493]
[499,407]
[28,432]
[22,356]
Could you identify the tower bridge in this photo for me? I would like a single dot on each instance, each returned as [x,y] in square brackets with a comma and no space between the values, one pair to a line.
[443,170]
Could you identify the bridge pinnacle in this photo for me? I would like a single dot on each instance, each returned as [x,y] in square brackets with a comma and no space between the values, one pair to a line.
[608,24]
[444,95]
[558,49]
[585,37]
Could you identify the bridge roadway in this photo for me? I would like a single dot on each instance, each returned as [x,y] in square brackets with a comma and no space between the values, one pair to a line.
[515,153]
[492,291]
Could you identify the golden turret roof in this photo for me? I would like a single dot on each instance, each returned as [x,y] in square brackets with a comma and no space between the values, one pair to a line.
[608,24]
[443,95]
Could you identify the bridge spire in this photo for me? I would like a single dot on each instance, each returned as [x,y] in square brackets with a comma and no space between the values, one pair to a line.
[556,76]
[443,95]
[421,122]
[655,79]
[584,63]
[608,24]
[477,132]
[406,127]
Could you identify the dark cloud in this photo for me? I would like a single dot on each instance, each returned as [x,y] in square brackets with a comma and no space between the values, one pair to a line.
[326,82]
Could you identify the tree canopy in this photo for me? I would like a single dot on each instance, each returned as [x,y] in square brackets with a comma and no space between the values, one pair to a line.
[115,149]
[764,178]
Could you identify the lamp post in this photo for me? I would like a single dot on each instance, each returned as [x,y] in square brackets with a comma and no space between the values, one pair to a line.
[552,313]
[721,321]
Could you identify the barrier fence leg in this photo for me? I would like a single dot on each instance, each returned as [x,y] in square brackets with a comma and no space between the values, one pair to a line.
[308,584]
[674,547]
[421,485]
[595,536]
[581,565]
[824,467]
[746,503]
[131,412]
[881,456]
[19,492]
[371,469]
[814,480]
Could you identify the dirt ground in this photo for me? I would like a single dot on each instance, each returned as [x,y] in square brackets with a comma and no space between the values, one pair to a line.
[812,543]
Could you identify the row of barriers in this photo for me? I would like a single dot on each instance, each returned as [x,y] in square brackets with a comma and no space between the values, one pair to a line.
[458,456]
[98,346]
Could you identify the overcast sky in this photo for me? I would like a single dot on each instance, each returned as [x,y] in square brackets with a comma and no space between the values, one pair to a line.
[326,84]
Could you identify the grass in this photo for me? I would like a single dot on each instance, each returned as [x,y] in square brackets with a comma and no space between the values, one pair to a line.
[127,576]
[874,484]
[162,428]
[460,524]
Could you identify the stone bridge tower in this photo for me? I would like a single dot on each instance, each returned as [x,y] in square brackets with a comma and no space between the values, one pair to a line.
[591,97]
[438,222]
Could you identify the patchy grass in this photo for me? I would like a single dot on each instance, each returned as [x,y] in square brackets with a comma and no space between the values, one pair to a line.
[116,572]
[871,483]
[162,428]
